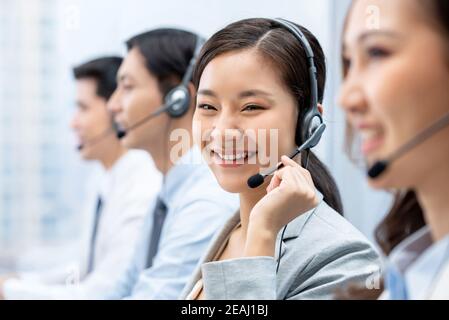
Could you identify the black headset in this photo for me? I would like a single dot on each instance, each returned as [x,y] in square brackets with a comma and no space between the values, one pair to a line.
[177,100]
[312,118]
[312,125]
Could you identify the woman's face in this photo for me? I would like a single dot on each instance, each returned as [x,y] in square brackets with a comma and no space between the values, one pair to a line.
[395,86]
[245,118]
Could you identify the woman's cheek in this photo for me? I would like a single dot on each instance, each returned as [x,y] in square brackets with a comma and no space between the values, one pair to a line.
[196,131]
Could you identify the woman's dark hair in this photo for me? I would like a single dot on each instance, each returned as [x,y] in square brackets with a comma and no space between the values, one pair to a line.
[103,71]
[438,13]
[167,53]
[286,53]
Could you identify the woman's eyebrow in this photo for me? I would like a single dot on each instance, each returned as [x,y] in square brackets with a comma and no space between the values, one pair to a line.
[206,92]
[253,93]
[241,95]
[384,33]
[257,93]
[364,36]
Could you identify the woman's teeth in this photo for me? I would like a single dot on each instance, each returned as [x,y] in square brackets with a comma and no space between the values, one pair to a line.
[233,157]
[369,134]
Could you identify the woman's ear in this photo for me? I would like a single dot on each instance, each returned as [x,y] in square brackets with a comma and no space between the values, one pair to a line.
[192,92]
[320,108]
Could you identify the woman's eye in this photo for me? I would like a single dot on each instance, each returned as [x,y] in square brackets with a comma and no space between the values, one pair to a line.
[377,53]
[252,107]
[346,65]
[127,87]
[207,107]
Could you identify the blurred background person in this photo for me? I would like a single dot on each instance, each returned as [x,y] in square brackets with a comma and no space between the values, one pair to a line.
[395,97]
[121,190]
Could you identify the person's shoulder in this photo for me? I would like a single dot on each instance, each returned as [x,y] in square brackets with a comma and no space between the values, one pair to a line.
[441,291]
[327,232]
[137,165]
[327,251]
[330,220]
[137,159]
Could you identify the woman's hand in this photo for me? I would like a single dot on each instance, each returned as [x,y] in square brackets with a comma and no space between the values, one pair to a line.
[290,193]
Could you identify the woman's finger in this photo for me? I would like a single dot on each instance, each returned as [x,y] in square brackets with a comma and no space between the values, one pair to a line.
[286,161]
[275,181]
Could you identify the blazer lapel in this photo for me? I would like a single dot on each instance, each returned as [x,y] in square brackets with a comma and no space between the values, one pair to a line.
[293,230]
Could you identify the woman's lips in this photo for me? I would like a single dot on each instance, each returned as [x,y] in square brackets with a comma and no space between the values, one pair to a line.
[370,146]
[372,140]
[232,160]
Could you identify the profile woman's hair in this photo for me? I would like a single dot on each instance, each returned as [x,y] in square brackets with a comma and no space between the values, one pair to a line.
[287,56]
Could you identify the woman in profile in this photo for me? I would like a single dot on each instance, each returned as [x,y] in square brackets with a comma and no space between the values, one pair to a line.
[396,98]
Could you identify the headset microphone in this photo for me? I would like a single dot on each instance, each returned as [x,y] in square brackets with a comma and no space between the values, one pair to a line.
[381,167]
[258,179]
[177,101]
[121,133]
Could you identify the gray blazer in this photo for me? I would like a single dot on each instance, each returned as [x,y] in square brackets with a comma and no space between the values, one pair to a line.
[321,252]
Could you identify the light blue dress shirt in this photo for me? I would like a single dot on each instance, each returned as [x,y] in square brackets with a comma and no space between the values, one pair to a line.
[197,208]
[414,266]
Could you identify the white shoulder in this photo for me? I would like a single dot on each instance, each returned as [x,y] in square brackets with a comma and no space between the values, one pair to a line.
[441,291]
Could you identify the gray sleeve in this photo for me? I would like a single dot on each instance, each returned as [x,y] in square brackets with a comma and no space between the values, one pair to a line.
[331,270]
[240,279]
[256,278]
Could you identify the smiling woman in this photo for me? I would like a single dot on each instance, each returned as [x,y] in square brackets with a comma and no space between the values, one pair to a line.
[395,98]
[269,82]
[253,76]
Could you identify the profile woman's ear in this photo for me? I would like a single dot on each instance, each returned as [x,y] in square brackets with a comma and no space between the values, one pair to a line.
[321,109]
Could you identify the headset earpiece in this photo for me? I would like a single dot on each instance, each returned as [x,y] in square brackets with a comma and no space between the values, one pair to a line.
[311,122]
[311,119]
[178,100]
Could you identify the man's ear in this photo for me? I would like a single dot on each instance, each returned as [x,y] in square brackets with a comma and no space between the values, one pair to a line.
[321,109]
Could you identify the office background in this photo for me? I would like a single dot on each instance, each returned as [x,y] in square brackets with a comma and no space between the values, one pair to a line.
[42,180]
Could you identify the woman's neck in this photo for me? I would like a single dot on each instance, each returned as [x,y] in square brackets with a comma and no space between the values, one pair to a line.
[433,197]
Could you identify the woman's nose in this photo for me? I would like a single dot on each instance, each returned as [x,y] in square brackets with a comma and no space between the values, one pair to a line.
[225,130]
[351,97]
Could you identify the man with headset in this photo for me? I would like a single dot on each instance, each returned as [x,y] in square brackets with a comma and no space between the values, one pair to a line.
[153,103]
[118,195]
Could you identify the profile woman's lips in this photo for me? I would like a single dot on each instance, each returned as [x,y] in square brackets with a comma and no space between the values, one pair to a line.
[372,139]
